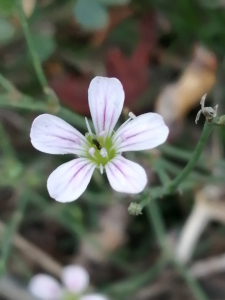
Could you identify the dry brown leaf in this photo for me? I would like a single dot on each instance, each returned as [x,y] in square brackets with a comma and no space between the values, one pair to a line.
[176,100]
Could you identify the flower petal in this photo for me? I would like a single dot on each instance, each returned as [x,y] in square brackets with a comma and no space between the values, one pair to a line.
[144,132]
[70,180]
[126,176]
[94,297]
[75,278]
[45,287]
[106,98]
[51,134]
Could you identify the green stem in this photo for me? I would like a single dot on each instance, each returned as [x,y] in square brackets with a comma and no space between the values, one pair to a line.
[7,149]
[73,118]
[155,216]
[154,212]
[174,184]
[160,231]
[10,230]
[194,158]
[33,54]
[181,154]
[162,174]
[191,281]
[25,102]
[7,85]
[134,283]
[13,98]
[174,169]
[64,217]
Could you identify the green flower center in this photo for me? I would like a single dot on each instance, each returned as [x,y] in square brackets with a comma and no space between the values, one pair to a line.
[102,148]
[70,296]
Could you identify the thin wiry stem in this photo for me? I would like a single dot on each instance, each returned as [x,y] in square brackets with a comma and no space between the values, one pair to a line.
[155,217]
[6,147]
[136,282]
[9,232]
[51,96]
[20,101]
[7,85]
[33,54]
[191,281]
[160,232]
[157,221]
[172,186]
[194,158]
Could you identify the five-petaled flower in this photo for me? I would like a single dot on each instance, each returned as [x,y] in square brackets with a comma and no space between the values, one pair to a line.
[75,281]
[101,149]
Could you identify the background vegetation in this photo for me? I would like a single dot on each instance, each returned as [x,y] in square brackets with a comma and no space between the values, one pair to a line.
[167,54]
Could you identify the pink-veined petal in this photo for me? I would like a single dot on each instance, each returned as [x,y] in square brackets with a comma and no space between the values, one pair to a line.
[45,287]
[106,98]
[141,133]
[70,180]
[53,135]
[94,297]
[75,278]
[126,176]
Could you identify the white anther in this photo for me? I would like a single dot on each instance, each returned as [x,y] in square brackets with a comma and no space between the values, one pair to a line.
[131,115]
[102,133]
[91,151]
[103,152]
[88,127]
[101,168]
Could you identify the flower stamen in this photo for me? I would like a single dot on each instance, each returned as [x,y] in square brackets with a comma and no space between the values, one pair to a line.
[131,117]
[91,151]
[101,168]
[88,127]
[103,152]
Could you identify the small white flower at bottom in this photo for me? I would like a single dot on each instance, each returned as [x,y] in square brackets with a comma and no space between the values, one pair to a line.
[75,281]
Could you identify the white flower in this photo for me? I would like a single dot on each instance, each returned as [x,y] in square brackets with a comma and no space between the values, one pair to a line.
[75,280]
[103,149]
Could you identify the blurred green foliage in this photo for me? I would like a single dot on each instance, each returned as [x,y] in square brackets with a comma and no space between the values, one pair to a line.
[6,31]
[65,37]
[44,45]
[91,15]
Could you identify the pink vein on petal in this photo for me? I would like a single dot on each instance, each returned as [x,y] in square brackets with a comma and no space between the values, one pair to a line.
[104,113]
[77,171]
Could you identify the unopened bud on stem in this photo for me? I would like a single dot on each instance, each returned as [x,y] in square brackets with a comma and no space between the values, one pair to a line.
[134,209]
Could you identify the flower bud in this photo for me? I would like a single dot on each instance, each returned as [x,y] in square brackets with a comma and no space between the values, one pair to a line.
[221,120]
[134,209]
